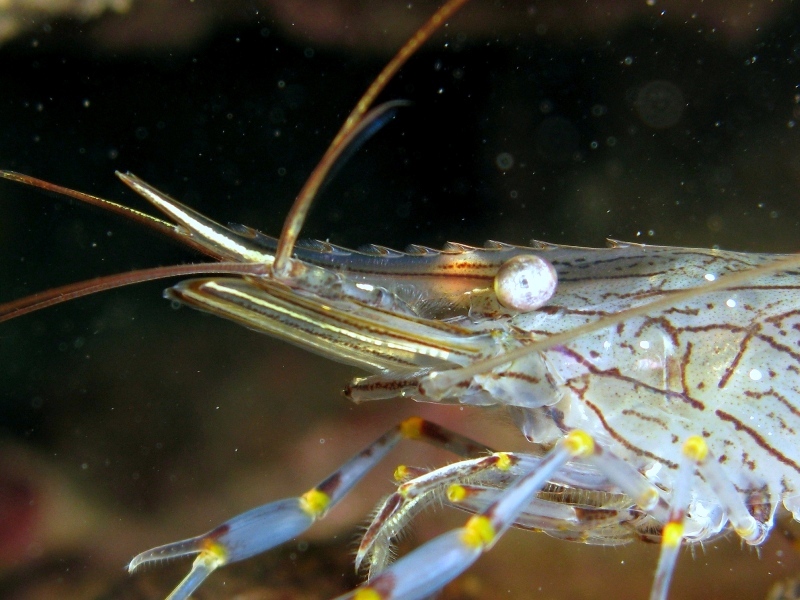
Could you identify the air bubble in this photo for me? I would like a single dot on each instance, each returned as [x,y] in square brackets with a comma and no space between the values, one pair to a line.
[504,161]
[598,110]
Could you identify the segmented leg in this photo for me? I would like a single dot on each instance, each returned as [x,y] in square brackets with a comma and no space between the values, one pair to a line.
[609,522]
[431,566]
[697,456]
[267,526]
[428,568]
[398,509]
[562,510]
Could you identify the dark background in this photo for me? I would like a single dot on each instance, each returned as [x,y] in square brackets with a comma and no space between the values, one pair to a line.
[125,424]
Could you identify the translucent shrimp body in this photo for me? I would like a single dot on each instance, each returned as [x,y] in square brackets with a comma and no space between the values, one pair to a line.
[658,386]
[678,385]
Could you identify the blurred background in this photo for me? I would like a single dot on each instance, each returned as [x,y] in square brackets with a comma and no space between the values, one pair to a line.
[125,424]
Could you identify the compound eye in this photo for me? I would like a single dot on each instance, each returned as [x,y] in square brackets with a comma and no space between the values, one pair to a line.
[525,283]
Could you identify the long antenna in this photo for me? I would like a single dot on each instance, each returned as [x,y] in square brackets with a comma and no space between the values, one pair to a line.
[297,214]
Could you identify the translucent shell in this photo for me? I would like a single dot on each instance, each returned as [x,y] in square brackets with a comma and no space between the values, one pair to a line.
[525,282]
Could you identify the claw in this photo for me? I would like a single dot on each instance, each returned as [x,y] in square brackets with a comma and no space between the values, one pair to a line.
[241,537]
[428,568]
[269,525]
[203,566]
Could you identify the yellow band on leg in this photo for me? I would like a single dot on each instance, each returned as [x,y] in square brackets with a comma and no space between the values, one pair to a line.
[579,443]
[314,502]
[695,448]
[367,593]
[411,428]
[478,532]
[672,534]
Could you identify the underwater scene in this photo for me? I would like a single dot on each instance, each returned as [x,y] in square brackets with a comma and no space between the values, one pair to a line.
[127,422]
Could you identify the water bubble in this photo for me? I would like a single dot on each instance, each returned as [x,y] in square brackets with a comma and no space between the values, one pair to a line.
[504,161]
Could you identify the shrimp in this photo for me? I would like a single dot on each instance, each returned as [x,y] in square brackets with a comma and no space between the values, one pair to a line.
[460,325]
